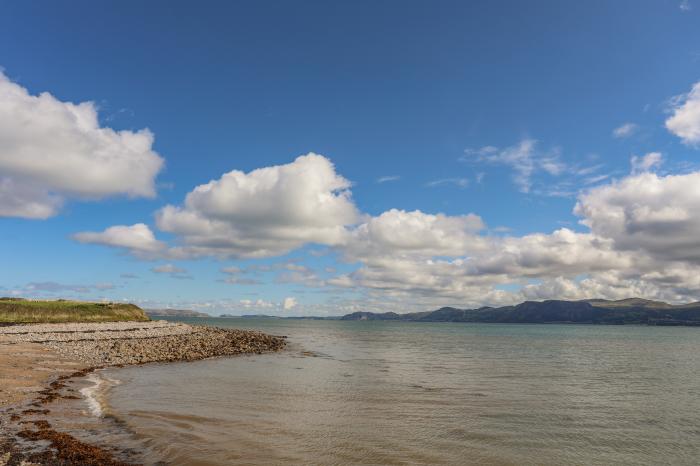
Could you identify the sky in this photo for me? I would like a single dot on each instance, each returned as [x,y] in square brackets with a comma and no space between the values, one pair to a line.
[320,158]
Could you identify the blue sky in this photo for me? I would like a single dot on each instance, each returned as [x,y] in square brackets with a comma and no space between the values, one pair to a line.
[503,110]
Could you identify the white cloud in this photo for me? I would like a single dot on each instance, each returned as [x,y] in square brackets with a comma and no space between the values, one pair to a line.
[168,268]
[172,270]
[263,213]
[18,199]
[54,290]
[289,304]
[624,131]
[472,275]
[481,151]
[51,151]
[685,5]
[459,182]
[138,239]
[234,276]
[652,215]
[685,120]
[646,163]
[54,287]
[523,159]
[595,179]
[642,241]
[253,304]
[299,274]
[397,232]
[386,179]
[234,280]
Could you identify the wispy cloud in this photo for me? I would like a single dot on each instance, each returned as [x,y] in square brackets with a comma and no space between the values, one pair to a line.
[55,287]
[523,158]
[595,179]
[459,182]
[528,163]
[481,151]
[386,179]
[234,276]
[624,131]
[685,5]
[241,281]
[646,163]
[588,170]
[300,274]
[172,270]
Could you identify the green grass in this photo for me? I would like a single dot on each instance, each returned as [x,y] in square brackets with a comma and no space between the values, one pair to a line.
[13,310]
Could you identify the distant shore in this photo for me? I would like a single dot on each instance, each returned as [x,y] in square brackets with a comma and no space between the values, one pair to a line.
[37,362]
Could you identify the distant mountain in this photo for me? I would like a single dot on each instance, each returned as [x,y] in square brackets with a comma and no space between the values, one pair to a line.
[265,316]
[630,302]
[595,311]
[248,316]
[174,313]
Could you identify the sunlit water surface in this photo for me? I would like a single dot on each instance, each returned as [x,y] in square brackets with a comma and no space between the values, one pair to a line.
[420,393]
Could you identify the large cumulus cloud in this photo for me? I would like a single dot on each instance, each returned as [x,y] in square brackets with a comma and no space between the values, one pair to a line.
[648,214]
[52,150]
[266,212]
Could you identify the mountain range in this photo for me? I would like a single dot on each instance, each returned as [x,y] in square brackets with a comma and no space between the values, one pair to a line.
[594,311]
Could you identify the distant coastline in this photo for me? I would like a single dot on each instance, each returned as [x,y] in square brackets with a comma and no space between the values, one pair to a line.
[174,313]
[631,311]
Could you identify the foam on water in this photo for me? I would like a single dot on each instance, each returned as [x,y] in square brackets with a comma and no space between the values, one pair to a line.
[90,394]
[95,394]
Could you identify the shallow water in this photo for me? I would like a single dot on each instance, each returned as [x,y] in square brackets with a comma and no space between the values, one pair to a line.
[422,393]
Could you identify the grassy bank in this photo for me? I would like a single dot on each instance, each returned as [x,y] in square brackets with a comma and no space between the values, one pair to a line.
[26,311]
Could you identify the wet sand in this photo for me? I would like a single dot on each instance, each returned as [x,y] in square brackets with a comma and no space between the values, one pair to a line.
[27,368]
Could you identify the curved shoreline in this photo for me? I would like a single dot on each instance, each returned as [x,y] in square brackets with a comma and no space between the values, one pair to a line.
[78,350]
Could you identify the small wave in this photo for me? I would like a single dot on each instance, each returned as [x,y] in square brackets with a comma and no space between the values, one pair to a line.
[90,394]
[94,394]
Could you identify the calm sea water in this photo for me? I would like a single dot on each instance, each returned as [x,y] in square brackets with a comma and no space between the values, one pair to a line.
[372,393]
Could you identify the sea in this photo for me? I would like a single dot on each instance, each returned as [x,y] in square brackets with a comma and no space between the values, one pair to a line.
[406,393]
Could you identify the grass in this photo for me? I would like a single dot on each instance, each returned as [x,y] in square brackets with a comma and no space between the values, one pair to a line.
[16,310]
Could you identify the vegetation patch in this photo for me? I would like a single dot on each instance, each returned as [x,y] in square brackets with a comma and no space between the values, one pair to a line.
[25,311]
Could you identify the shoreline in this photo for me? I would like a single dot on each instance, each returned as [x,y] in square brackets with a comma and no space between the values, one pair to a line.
[38,362]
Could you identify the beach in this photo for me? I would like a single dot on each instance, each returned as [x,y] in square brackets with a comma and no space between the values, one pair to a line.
[39,362]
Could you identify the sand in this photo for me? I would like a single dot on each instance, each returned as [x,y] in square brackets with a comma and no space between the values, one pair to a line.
[27,368]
